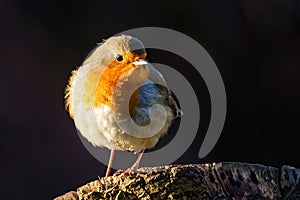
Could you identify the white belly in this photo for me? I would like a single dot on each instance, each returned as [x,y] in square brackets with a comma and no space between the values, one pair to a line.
[99,127]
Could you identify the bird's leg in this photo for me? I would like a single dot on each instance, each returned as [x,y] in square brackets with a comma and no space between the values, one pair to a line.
[136,165]
[111,158]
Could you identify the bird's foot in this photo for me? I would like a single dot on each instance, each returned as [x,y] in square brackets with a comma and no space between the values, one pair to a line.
[119,172]
[133,169]
[128,171]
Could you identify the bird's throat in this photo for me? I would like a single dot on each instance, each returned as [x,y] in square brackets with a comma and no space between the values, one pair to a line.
[116,85]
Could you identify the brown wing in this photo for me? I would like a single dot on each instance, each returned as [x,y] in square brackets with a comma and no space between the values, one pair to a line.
[170,99]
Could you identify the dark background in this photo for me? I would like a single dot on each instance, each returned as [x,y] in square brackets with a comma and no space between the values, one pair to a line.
[255,44]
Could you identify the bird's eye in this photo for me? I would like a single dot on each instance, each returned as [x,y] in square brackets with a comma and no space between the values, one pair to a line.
[119,58]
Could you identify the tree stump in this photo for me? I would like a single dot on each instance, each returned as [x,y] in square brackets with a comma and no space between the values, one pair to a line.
[227,180]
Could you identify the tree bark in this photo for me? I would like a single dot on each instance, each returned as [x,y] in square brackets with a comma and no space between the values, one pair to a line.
[231,180]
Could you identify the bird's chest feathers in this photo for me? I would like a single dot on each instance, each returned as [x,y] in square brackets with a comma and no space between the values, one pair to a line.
[118,85]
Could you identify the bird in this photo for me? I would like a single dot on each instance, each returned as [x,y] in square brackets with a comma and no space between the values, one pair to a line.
[114,74]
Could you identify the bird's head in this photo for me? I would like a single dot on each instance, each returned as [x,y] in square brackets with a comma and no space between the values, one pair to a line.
[123,58]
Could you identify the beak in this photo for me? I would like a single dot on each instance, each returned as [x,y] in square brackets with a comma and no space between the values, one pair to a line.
[140,62]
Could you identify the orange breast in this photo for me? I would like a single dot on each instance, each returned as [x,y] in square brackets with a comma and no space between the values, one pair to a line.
[107,83]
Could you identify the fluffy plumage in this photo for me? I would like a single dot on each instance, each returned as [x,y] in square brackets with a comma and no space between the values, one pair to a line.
[96,89]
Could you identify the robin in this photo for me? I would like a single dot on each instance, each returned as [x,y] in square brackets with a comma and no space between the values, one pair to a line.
[116,73]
